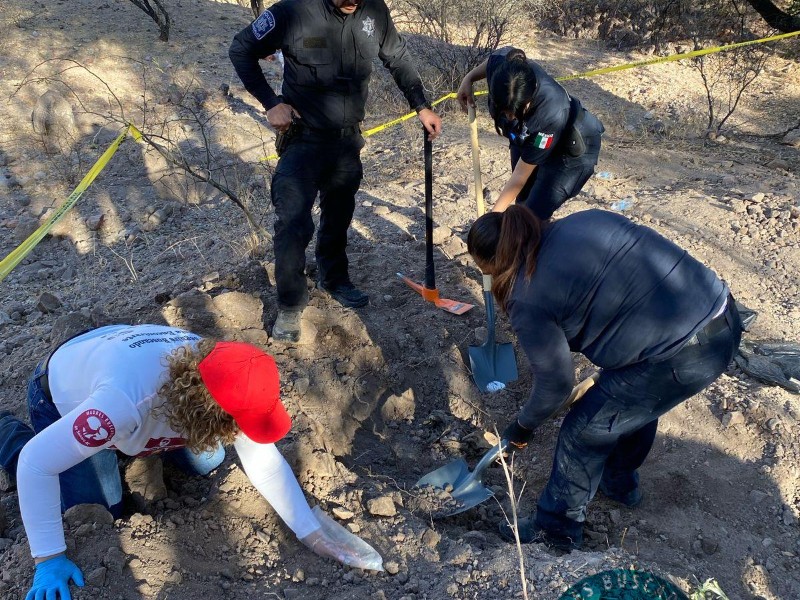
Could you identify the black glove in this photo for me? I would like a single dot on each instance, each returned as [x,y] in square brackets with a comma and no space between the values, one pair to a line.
[517,435]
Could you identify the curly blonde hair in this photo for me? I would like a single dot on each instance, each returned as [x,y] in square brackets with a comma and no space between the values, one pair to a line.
[187,404]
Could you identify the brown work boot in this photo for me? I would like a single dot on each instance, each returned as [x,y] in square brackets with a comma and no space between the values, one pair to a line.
[287,326]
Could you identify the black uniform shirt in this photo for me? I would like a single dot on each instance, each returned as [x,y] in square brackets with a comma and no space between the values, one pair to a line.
[616,291]
[328,59]
[549,114]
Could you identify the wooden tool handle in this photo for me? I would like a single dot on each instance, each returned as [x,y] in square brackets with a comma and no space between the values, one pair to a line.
[476,161]
[579,390]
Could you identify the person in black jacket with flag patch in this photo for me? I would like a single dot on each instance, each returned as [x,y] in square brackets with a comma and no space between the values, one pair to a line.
[328,48]
[554,141]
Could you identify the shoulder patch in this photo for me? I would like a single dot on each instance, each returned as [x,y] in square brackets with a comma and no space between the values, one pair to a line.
[263,25]
[543,140]
[93,428]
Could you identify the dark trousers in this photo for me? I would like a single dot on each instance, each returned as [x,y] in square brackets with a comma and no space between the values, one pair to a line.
[310,165]
[610,432]
[95,480]
[557,179]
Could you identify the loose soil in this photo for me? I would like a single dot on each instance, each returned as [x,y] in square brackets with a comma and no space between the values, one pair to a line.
[382,395]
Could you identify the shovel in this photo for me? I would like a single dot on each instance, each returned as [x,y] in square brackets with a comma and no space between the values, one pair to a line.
[429,291]
[492,365]
[467,487]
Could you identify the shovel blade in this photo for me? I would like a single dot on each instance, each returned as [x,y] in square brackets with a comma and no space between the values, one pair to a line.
[453,473]
[470,495]
[495,362]
[453,306]
[468,491]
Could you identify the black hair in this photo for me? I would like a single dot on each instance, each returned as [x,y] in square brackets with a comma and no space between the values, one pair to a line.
[511,88]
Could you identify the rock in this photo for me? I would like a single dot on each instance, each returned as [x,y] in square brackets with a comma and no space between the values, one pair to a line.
[757,497]
[25,227]
[454,246]
[709,545]
[792,138]
[342,513]
[94,222]
[383,506]
[3,520]
[778,163]
[6,483]
[88,513]
[431,538]
[145,479]
[54,120]
[399,408]
[379,595]
[115,560]
[69,325]
[174,578]
[353,527]
[440,234]
[97,577]
[759,197]
[392,567]
[244,311]
[732,419]
[301,385]
[48,303]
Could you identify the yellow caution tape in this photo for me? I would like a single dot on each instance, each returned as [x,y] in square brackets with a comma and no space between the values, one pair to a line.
[604,70]
[19,253]
[674,57]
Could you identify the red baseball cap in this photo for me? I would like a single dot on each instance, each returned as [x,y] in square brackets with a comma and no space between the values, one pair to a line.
[245,383]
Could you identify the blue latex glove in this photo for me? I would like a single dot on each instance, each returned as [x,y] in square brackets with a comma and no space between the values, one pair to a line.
[51,579]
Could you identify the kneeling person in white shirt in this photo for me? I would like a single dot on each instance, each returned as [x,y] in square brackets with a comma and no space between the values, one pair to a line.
[139,390]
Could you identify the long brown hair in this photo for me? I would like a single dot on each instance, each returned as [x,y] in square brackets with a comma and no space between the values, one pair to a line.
[501,242]
[188,405]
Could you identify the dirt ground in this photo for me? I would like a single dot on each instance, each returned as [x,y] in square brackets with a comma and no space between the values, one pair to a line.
[382,395]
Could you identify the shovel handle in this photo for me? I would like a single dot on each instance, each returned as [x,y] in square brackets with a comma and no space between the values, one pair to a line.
[488,459]
[430,274]
[476,161]
[579,390]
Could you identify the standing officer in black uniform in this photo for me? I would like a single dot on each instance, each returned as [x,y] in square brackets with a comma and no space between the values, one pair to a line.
[557,139]
[328,48]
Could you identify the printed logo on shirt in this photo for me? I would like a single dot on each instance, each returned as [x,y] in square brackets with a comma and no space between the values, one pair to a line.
[161,444]
[93,428]
[368,26]
[543,140]
[263,25]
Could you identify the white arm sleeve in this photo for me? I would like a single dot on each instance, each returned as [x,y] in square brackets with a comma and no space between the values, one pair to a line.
[52,451]
[271,475]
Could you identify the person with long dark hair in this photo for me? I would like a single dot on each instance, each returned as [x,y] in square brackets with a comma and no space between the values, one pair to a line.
[554,141]
[660,325]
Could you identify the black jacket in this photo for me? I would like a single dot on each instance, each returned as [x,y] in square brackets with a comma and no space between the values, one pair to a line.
[328,59]
[615,291]
[549,116]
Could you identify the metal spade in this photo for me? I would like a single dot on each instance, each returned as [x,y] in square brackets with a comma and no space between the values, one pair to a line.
[467,487]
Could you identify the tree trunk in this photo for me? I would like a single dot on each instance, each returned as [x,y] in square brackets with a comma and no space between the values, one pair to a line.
[775,17]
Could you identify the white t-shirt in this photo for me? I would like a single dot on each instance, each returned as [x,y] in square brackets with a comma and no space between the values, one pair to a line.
[105,384]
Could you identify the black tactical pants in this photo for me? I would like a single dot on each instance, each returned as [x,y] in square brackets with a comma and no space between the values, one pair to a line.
[330,166]
[609,433]
[557,179]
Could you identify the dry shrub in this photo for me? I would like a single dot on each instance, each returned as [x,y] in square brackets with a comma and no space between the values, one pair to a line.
[450,37]
[651,24]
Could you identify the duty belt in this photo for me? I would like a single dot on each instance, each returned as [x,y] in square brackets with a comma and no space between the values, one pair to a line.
[714,326]
[331,134]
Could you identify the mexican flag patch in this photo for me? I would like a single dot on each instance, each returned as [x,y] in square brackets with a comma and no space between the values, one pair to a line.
[543,140]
